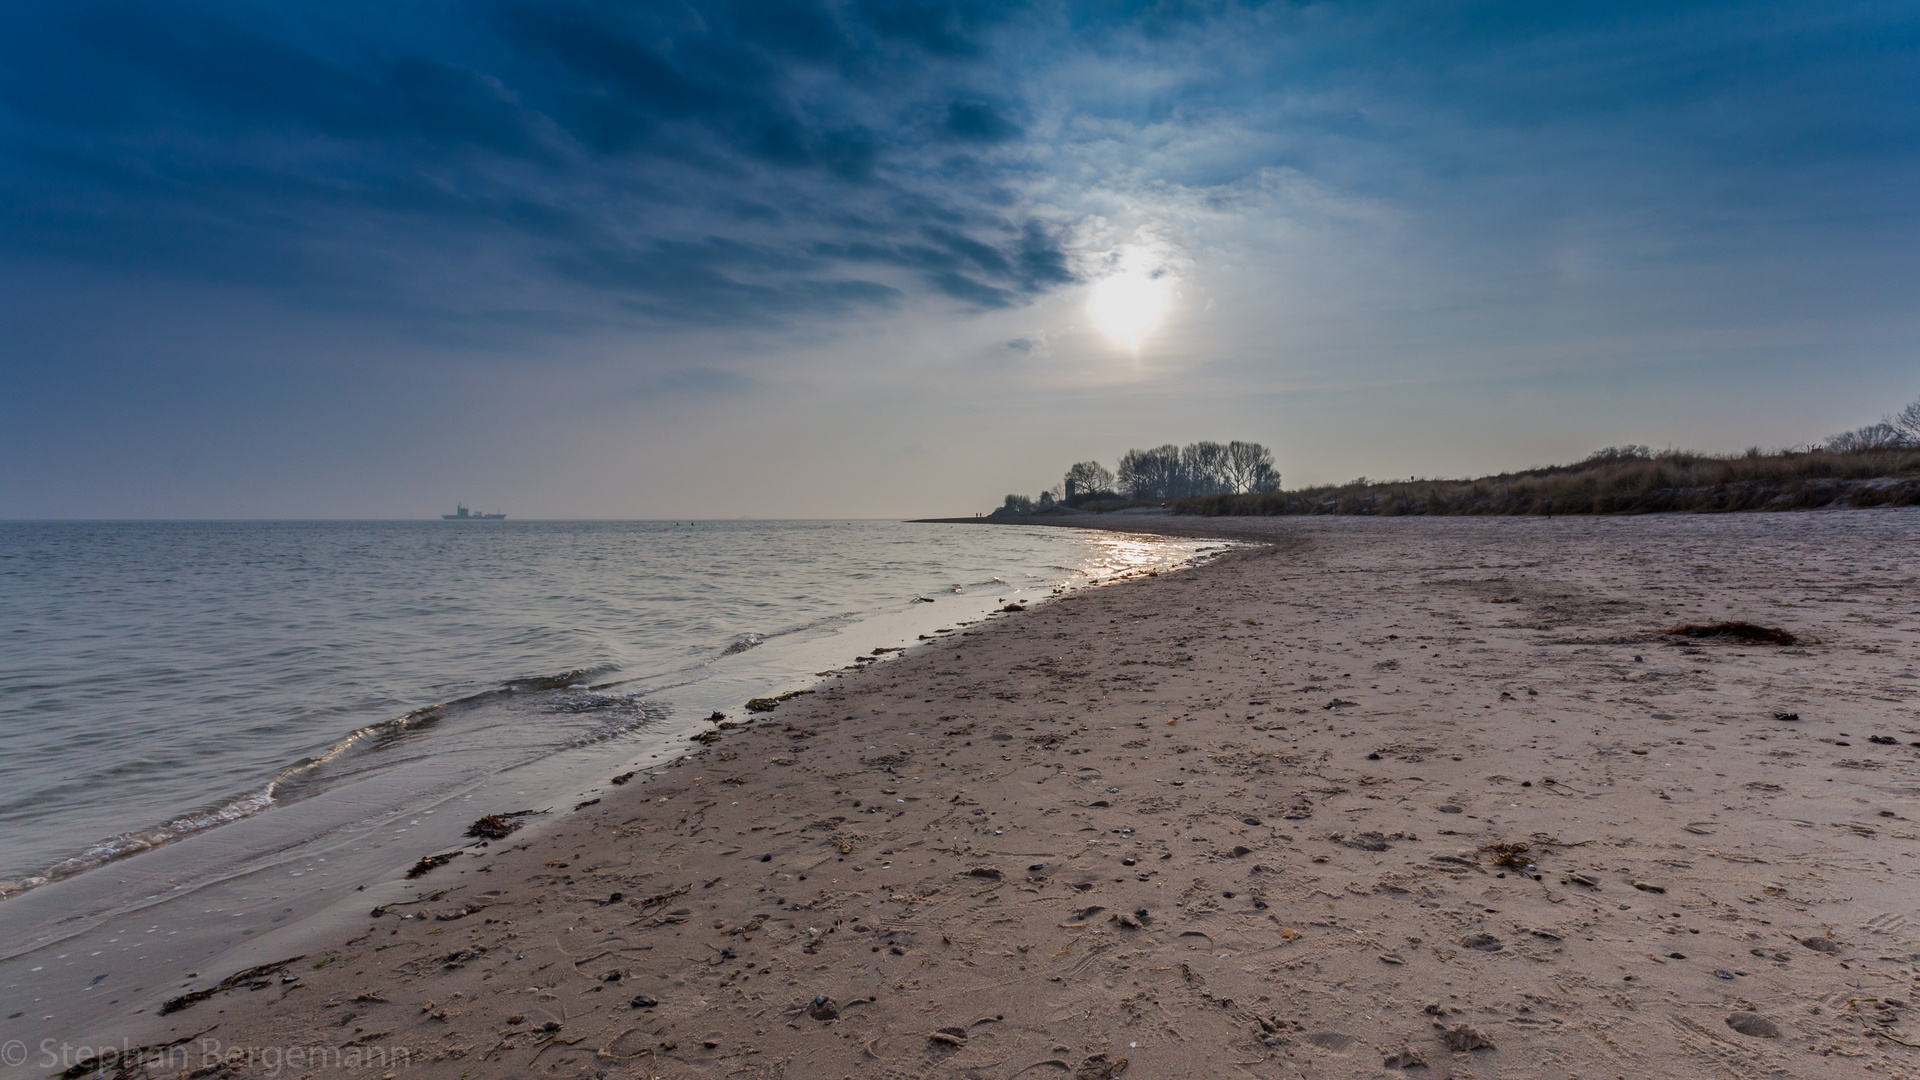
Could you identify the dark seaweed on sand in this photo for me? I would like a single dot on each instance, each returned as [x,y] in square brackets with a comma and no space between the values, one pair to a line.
[1516,856]
[429,862]
[496,826]
[254,977]
[1741,631]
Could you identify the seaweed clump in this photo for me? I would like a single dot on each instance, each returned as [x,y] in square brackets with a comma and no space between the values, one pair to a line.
[497,826]
[431,862]
[768,704]
[1739,631]
[1514,856]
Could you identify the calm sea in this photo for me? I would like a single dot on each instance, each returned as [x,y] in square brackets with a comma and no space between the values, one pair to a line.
[216,737]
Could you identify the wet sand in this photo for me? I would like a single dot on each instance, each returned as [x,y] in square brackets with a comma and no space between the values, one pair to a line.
[1423,796]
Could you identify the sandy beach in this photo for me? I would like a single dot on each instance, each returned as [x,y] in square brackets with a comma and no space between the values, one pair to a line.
[1425,797]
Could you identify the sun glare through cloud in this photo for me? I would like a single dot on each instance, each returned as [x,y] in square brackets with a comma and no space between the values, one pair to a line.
[1129,303]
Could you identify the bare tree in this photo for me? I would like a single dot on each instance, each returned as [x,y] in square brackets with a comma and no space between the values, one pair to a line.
[1249,467]
[1087,478]
[1151,474]
[1907,421]
[1203,469]
[1881,436]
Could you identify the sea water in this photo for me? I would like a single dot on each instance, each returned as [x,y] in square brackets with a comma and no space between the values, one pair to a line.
[209,730]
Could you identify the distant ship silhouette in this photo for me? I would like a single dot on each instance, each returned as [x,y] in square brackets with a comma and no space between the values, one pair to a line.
[464,514]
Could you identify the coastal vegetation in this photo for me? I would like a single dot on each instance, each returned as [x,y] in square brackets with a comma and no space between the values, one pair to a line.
[1874,465]
[1618,480]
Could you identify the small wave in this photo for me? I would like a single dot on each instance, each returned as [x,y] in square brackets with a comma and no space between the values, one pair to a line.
[747,642]
[372,737]
[133,843]
[552,682]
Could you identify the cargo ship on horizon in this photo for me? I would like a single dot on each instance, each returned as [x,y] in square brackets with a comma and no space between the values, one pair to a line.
[461,513]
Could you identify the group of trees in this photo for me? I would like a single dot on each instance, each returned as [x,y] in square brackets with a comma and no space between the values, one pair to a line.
[1202,468]
[1900,431]
[1164,472]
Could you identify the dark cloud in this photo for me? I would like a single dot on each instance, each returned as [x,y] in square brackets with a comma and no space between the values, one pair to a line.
[976,121]
[798,159]
[610,143]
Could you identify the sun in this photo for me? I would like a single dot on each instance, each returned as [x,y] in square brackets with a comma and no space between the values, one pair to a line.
[1130,302]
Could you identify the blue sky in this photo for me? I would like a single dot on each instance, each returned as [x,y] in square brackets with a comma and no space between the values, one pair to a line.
[799,259]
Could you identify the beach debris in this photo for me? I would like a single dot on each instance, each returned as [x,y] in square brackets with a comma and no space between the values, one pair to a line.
[1822,945]
[1583,879]
[955,1037]
[1337,704]
[1370,841]
[1392,958]
[584,805]
[623,778]
[707,738]
[988,872]
[253,978]
[1098,1067]
[768,704]
[1883,740]
[1788,716]
[643,1001]
[1739,631]
[1407,1058]
[1753,1024]
[1514,856]
[1648,886]
[1482,942]
[499,826]
[430,862]
[1013,607]
[1450,808]
[1462,1038]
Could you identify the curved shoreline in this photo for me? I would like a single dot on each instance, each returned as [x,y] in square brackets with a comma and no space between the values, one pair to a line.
[1298,761]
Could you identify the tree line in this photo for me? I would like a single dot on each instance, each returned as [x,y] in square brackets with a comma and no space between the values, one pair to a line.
[1163,472]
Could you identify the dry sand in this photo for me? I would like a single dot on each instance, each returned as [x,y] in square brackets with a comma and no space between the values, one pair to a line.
[1142,825]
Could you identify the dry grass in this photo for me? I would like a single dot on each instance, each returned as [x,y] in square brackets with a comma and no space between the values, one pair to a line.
[1615,482]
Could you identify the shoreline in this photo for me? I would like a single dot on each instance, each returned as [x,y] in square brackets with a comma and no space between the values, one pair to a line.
[288,876]
[1293,760]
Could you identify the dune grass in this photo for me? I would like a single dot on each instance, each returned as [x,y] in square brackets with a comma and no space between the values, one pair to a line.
[1618,481]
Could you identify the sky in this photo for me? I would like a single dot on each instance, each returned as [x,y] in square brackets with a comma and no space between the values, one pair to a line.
[874,258]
